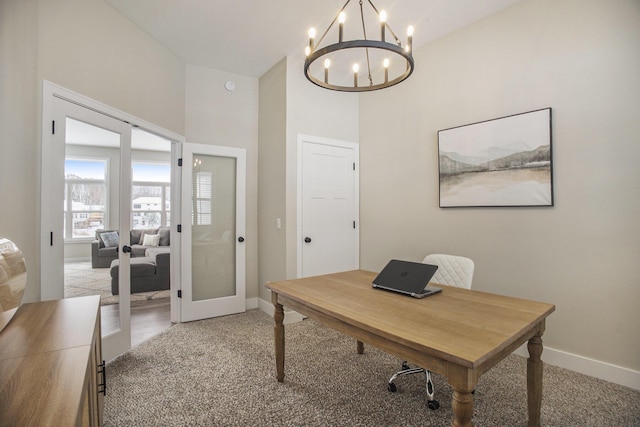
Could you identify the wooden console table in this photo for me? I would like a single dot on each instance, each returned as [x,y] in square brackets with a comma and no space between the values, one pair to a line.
[51,368]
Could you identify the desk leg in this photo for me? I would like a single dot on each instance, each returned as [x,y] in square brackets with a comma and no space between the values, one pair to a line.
[462,405]
[534,380]
[278,330]
[360,348]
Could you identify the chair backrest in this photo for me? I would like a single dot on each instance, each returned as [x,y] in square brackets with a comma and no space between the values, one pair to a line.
[453,270]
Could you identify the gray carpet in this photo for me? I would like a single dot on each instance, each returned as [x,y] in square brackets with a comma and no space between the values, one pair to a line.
[221,372]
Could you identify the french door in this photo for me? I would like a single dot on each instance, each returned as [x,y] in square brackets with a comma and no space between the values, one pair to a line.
[86,188]
[213,231]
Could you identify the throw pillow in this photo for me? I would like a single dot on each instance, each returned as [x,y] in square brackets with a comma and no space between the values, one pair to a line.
[151,231]
[151,240]
[110,239]
[165,236]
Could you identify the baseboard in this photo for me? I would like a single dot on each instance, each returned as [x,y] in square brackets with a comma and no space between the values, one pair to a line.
[584,365]
[251,303]
[290,316]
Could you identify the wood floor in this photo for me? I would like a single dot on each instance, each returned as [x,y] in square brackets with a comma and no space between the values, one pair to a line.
[150,311]
[148,318]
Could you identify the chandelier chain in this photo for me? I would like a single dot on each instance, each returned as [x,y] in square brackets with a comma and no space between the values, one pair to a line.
[387,25]
[364,33]
[333,22]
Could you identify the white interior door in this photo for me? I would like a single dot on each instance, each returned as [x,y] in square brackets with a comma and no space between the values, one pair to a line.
[86,186]
[213,231]
[328,191]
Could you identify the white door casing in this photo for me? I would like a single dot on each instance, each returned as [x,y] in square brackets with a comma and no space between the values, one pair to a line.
[328,206]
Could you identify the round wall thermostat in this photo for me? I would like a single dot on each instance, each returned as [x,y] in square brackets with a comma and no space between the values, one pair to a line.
[229,85]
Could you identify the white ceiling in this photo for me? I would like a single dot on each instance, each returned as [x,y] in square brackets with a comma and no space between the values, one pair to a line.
[248,37]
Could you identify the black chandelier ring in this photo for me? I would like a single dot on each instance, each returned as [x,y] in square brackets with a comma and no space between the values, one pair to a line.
[358,44]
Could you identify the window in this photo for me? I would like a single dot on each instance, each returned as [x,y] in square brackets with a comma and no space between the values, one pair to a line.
[85,197]
[202,198]
[150,195]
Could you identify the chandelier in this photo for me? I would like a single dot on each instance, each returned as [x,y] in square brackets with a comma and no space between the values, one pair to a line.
[374,63]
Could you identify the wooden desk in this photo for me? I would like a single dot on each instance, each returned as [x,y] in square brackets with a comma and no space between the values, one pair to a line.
[50,354]
[457,333]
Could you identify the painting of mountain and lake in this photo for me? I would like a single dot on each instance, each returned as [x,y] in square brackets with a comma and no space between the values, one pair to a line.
[499,162]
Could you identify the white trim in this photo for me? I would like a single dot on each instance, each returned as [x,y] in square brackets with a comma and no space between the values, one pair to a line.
[251,303]
[290,316]
[356,192]
[50,90]
[587,366]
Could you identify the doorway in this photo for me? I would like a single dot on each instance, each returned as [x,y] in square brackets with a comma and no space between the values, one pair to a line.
[328,206]
[99,163]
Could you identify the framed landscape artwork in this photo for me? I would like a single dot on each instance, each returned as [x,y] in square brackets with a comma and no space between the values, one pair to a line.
[499,162]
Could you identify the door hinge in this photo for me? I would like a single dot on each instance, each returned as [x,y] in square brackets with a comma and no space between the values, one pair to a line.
[179,293]
[179,228]
[179,162]
[354,225]
[354,166]
[51,239]
[53,127]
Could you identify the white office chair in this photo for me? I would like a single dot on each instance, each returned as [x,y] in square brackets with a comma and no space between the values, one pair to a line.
[452,271]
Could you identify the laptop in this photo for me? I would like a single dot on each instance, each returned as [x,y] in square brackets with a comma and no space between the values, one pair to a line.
[408,278]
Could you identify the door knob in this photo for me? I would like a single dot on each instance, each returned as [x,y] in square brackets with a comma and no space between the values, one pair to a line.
[240,239]
[307,239]
[126,249]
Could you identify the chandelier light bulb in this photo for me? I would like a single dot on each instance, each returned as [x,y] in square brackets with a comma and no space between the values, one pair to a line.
[410,38]
[356,68]
[383,16]
[312,35]
[385,63]
[327,64]
[383,24]
[342,17]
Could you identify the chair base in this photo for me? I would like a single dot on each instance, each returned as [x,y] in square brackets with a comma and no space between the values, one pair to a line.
[406,370]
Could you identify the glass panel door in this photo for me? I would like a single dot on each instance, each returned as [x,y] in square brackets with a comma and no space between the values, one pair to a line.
[90,221]
[213,238]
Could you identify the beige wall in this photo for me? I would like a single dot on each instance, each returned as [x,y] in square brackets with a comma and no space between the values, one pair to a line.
[89,48]
[19,163]
[582,59]
[216,116]
[272,177]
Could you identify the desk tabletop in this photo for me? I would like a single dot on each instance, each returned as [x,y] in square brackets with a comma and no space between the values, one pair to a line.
[463,326]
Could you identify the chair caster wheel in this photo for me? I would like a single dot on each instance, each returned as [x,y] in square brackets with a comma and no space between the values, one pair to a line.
[405,366]
[433,404]
[391,387]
